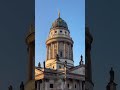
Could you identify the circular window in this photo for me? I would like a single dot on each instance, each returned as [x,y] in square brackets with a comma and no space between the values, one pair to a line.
[60,31]
[65,32]
[55,31]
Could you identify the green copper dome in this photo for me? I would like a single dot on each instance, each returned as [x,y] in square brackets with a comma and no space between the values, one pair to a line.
[59,22]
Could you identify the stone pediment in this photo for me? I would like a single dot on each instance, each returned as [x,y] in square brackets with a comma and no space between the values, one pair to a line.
[80,70]
[38,71]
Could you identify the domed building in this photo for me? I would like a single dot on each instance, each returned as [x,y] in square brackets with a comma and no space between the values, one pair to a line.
[59,72]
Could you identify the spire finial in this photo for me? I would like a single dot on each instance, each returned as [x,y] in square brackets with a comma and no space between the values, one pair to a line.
[22,86]
[10,87]
[81,61]
[44,64]
[111,75]
[81,57]
[59,13]
[39,65]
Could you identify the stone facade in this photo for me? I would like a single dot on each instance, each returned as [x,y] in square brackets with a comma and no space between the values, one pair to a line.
[59,72]
[88,71]
[66,79]
[30,41]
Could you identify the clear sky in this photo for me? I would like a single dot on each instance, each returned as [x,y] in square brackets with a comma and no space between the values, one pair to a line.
[46,12]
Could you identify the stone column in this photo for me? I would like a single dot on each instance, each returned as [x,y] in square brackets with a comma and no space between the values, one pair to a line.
[83,85]
[48,51]
[43,84]
[64,50]
[72,52]
[68,52]
[57,48]
[51,51]
[72,85]
[80,85]
[88,42]
[30,62]
[77,85]
[38,85]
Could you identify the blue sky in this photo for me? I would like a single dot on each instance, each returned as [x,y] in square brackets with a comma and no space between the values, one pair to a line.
[46,12]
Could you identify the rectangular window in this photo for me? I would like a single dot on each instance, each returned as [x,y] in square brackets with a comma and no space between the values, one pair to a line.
[68,85]
[51,85]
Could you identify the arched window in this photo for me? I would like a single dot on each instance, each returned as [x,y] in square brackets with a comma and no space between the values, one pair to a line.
[68,85]
[61,54]
[60,67]
[75,85]
[55,50]
[55,31]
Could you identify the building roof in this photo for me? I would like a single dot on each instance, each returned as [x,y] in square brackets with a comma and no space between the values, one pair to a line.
[59,22]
